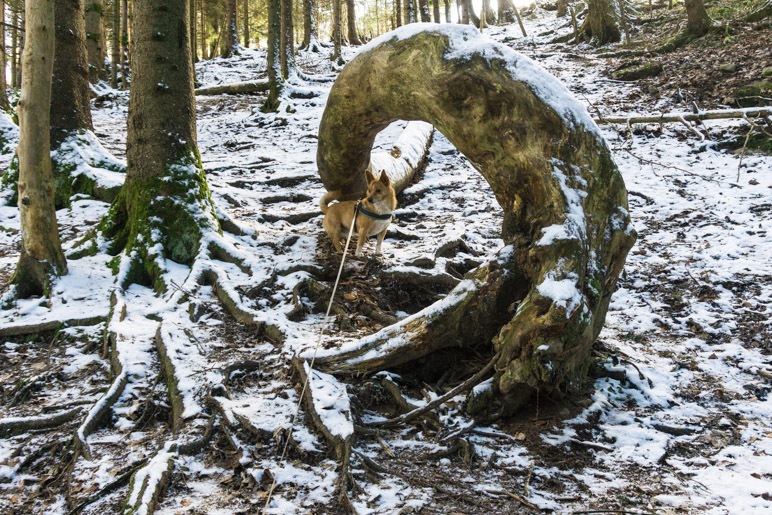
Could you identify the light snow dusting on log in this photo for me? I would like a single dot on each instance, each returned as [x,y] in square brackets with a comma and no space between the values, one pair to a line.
[465,42]
[331,402]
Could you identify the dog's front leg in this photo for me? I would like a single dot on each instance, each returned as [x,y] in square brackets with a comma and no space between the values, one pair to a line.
[381,236]
[361,237]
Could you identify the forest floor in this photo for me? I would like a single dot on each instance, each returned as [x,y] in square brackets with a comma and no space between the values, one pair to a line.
[676,418]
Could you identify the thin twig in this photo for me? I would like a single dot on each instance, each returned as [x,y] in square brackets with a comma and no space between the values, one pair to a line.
[516,497]
[682,170]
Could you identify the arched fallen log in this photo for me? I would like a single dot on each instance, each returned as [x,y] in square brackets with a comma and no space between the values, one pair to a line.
[544,298]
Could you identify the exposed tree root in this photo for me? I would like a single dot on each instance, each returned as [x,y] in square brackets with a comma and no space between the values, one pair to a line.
[18,425]
[341,438]
[51,325]
[110,487]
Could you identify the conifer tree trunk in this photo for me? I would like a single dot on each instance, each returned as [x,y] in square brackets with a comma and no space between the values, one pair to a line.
[231,41]
[115,54]
[436,11]
[193,35]
[164,207]
[204,31]
[490,14]
[95,39]
[602,23]
[398,12]
[506,12]
[447,12]
[4,105]
[274,56]
[351,21]
[15,81]
[125,44]
[287,39]
[41,254]
[337,30]
[697,20]
[310,34]
[423,7]
[71,109]
[409,11]
[246,24]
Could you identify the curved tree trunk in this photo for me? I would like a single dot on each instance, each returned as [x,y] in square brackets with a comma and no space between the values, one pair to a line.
[544,298]
[602,23]
[164,207]
[41,254]
[96,41]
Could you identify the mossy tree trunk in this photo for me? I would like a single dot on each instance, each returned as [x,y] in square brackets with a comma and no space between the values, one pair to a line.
[96,39]
[337,31]
[164,207]
[543,300]
[41,254]
[602,23]
[310,34]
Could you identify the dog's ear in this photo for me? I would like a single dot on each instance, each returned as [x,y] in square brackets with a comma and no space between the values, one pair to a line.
[385,178]
[369,175]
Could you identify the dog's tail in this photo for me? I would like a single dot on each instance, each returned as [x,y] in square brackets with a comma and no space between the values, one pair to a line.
[327,198]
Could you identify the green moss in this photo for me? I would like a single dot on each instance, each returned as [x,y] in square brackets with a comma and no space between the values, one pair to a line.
[9,182]
[171,211]
[115,264]
[753,94]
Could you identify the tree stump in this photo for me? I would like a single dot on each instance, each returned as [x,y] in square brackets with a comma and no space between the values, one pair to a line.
[542,301]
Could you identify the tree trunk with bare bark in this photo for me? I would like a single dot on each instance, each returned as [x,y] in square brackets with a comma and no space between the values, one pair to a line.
[41,255]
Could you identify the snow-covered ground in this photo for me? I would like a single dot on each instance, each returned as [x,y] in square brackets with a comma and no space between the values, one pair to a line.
[678,419]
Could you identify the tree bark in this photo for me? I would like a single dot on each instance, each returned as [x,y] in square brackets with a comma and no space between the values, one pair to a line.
[398,12]
[41,254]
[275,83]
[287,39]
[4,105]
[697,20]
[125,71]
[115,42]
[423,8]
[310,34]
[71,110]
[193,35]
[543,300]
[96,43]
[602,23]
[337,31]
[506,12]
[562,8]
[436,13]
[231,41]
[351,22]
[164,207]
[409,11]
[246,24]
[14,49]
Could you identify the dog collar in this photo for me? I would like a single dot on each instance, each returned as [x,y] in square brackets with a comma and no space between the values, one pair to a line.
[373,215]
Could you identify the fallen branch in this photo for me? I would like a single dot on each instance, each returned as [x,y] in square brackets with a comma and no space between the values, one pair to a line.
[516,497]
[236,88]
[51,325]
[719,114]
[466,385]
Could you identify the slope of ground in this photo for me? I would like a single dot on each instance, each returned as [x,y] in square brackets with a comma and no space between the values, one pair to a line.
[675,419]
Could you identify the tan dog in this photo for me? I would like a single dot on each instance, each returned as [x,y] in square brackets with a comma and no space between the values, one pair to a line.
[373,216]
